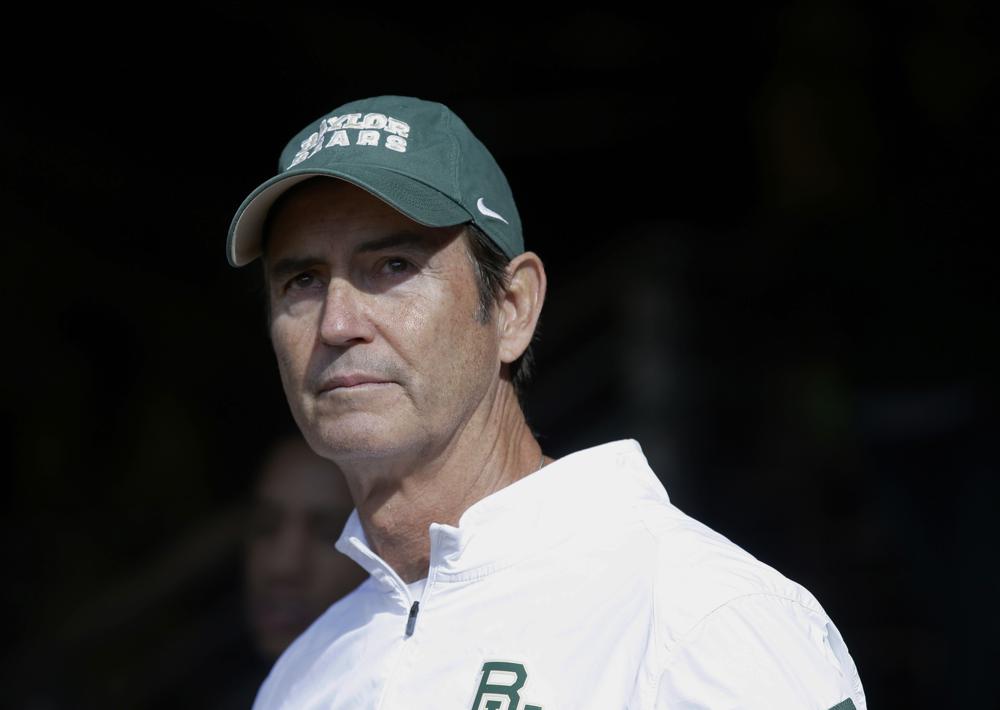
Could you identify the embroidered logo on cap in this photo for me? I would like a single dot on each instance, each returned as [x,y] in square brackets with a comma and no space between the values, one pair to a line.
[366,129]
[488,212]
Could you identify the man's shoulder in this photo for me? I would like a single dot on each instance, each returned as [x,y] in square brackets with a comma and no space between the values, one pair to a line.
[697,570]
[694,569]
[717,611]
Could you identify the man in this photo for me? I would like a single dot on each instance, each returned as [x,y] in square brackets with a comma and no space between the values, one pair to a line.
[499,578]
[293,571]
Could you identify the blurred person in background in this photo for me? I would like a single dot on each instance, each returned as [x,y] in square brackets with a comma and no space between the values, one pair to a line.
[293,572]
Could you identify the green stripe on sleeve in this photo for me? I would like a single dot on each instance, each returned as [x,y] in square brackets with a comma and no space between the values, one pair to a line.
[846,705]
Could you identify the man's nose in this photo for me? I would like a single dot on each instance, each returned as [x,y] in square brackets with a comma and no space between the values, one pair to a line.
[345,319]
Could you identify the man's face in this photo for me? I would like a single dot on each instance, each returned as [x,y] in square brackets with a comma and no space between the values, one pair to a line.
[293,570]
[373,321]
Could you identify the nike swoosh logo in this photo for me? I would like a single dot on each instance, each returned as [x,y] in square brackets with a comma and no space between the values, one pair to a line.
[488,212]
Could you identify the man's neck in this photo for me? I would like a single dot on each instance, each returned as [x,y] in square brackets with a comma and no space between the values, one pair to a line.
[488,453]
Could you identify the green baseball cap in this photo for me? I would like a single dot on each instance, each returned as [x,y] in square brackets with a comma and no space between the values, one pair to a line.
[415,155]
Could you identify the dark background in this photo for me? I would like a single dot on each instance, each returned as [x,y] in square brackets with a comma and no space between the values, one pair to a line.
[768,235]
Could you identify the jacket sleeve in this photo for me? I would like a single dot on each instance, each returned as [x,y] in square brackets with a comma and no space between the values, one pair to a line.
[761,651]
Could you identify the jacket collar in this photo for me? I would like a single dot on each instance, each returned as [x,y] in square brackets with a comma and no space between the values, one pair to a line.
[533,513]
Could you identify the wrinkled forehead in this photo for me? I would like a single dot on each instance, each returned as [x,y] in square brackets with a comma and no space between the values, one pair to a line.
[335,208]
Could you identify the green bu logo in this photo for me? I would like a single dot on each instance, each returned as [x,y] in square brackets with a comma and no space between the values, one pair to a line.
[500,687]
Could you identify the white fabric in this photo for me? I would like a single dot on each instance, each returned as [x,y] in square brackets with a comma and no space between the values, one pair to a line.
[417,589]
[601,591]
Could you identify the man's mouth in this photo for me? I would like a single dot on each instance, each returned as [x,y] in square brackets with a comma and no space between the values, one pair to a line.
[349,382]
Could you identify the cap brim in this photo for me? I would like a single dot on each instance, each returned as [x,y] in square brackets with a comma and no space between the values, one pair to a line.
[413,198]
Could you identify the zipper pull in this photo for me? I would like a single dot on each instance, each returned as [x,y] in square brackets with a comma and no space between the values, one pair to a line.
[411,622]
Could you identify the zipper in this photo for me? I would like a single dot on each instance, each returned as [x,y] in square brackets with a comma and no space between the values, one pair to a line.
[411,621]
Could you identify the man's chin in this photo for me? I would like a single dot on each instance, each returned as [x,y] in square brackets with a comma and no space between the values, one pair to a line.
[355,439]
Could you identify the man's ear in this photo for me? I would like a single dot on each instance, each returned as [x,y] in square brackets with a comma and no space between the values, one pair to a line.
[521,305]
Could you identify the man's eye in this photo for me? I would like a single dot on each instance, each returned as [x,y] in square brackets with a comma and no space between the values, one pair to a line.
[395,265]
[302,281]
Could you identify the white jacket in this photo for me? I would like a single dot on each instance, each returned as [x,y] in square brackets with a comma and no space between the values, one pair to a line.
[577,587]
